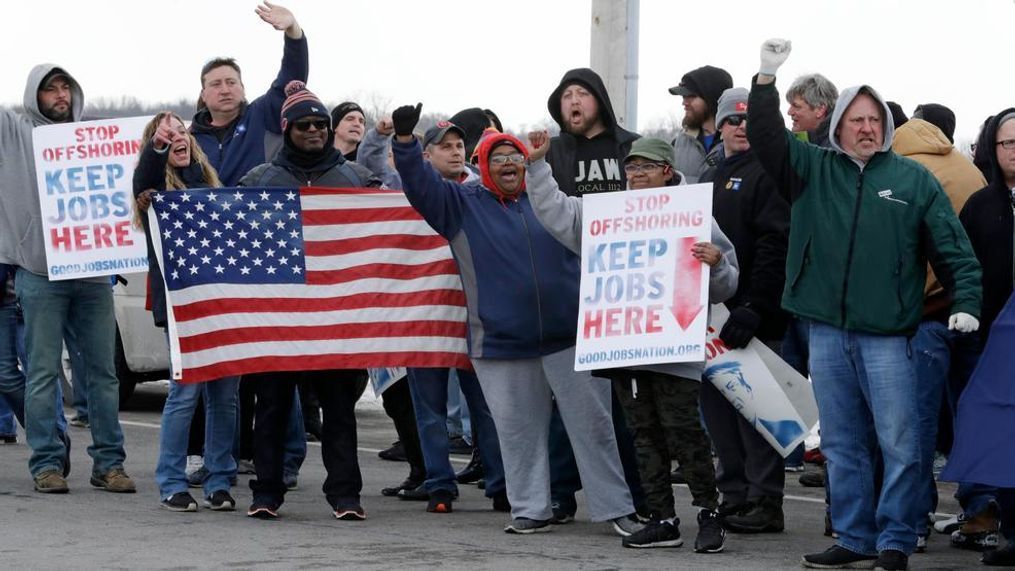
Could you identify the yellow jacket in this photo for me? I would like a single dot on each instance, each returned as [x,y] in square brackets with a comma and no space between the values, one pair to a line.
[926,144]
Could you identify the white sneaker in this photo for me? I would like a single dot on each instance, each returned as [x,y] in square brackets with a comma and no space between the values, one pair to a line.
[948,525]
[194,463]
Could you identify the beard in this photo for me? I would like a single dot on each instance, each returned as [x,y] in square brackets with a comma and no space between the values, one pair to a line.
[694,119]
[55,115]
[581,129]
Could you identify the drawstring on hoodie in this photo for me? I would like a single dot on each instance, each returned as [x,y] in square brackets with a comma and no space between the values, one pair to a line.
[634,388]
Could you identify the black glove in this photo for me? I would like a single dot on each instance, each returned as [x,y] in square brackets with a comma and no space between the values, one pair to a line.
[740,327]
[405,118]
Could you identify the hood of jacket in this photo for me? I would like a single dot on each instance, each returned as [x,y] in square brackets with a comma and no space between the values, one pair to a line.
[486,145]
[916,137]
[31,101]
[845,98]
[987,139]
[591,81]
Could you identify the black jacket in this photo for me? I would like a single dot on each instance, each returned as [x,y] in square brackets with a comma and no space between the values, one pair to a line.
[754,215]
[562,154]
[988,219]
[290,168]
[150,173]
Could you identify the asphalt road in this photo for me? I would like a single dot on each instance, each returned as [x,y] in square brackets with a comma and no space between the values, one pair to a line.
[90,528]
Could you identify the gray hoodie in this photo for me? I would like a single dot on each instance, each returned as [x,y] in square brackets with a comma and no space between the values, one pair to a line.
[561,215]
[845,98]
[21,239]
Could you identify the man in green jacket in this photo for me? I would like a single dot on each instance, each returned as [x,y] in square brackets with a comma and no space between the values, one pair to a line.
[864,224]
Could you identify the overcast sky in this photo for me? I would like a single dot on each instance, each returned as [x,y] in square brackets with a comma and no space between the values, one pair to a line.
[509,55]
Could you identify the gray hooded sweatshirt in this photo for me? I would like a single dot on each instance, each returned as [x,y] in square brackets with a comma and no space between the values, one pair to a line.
[21,239]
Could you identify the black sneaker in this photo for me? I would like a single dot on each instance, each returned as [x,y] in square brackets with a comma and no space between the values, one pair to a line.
[501,503]
[9,439]
[396,453]
[891,560]
[627,525]
[407,484]
[711,536]
[525,526]
[262,510]
[417,494]
[458,445]
[354,513]
[561,514]
[656,534]
[440,502]
[836,557]
[220,501]
[764,516]
[813,479]
[180,502]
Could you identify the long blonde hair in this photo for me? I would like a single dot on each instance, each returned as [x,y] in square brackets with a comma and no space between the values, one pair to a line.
[173,180]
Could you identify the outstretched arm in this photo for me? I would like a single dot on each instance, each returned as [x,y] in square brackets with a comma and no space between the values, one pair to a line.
[559,213]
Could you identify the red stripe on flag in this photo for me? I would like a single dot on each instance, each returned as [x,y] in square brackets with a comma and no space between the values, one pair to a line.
[322,362]
[359,215]
[349,245]
[322,191]
[383,329]
[387,271]
[222,306]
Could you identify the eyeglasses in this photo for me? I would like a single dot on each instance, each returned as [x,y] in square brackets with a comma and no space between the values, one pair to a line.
[635,168]
[1007,144]
[516,158]
[734,120]
[304,126]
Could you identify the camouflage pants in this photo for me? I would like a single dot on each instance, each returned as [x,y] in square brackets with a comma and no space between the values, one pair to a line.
[662,413]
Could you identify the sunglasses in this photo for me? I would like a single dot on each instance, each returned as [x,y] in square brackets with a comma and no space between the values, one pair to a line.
[516,158]
[304,126]
[734,120]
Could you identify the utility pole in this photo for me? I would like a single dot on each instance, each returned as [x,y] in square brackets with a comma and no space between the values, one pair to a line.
[614,55]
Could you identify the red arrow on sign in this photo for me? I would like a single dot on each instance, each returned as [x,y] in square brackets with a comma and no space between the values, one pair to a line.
[686,284]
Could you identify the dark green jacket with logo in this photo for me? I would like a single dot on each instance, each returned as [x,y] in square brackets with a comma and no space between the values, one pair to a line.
[860,238]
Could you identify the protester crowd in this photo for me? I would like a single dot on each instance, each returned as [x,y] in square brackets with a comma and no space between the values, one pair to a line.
[860,245]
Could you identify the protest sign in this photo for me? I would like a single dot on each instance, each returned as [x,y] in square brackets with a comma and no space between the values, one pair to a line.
[85,173]
[643,294]
[781,409]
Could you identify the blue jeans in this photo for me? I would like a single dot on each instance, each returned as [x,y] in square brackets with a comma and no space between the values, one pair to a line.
[429,387]
[865,387]
[79,381]
[932,348]
[458,410]
[12,380]
[219,434]
[85,308]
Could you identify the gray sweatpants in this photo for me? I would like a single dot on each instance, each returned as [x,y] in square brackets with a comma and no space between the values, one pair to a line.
[519,392]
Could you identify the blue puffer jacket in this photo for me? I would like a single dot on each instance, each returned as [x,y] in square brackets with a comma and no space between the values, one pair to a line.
[521,285]
[256,134]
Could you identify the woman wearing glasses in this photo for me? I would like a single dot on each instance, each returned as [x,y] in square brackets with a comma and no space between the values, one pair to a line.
[521,289]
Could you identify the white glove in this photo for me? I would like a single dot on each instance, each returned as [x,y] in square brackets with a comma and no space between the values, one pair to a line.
[963,323]
[773,54]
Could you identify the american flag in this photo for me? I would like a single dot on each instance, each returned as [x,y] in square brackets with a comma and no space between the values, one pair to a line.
[270,279]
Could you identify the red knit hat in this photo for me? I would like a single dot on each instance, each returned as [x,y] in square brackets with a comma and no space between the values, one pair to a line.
[492,139]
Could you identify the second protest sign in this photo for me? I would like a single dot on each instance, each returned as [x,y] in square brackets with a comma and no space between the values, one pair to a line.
[644,296]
